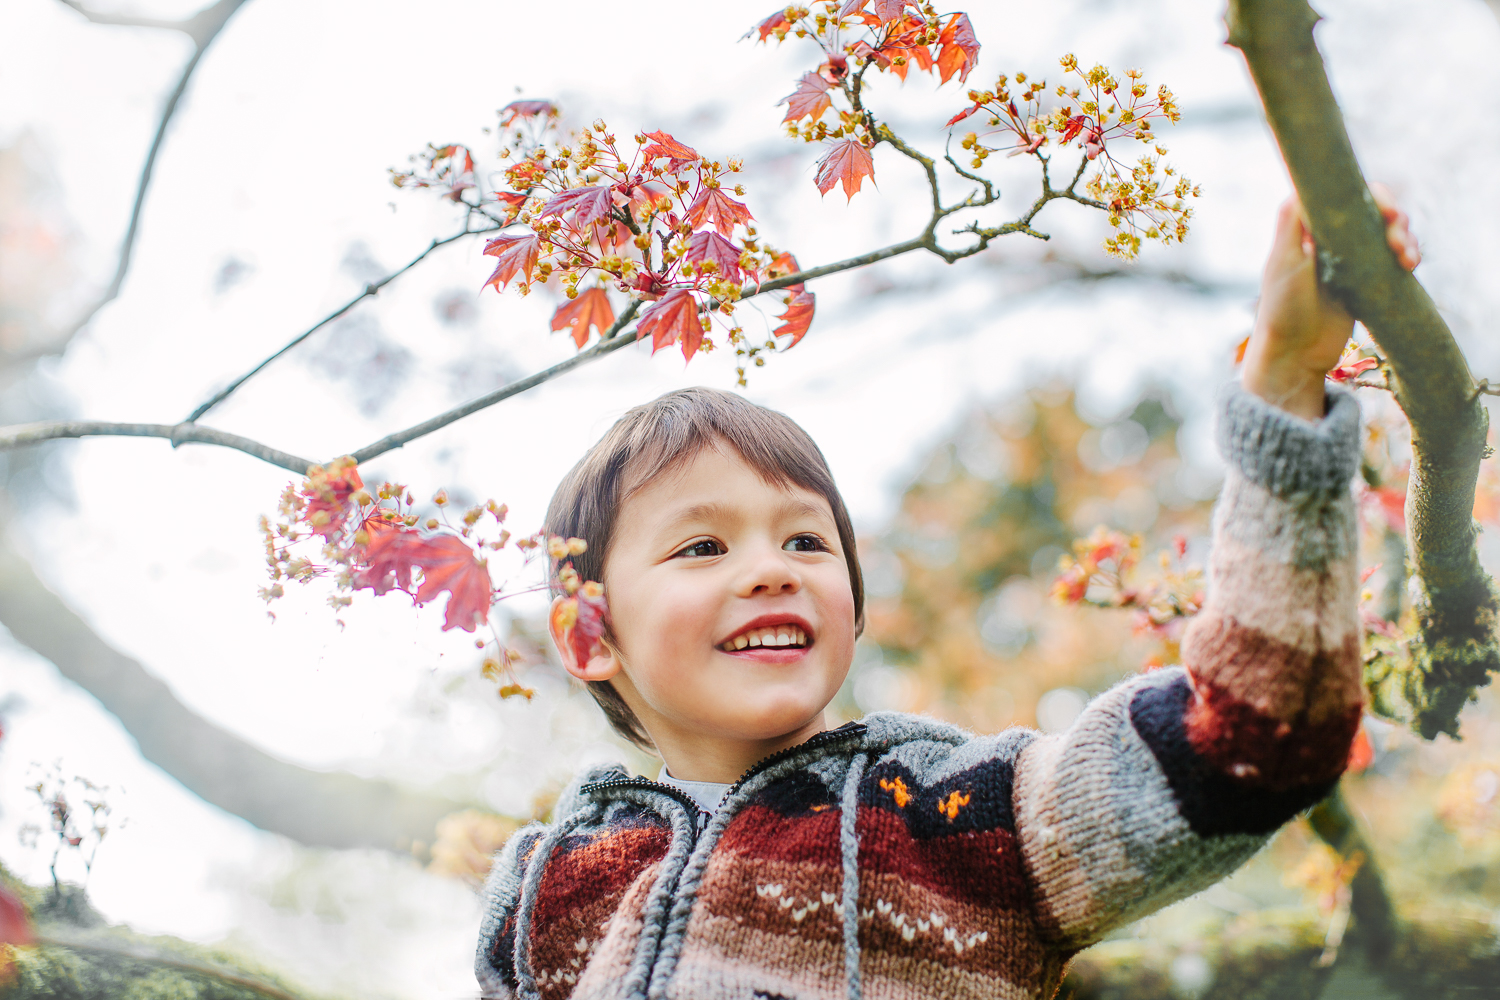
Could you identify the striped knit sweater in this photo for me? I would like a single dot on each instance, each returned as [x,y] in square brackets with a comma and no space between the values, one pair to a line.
[903,858]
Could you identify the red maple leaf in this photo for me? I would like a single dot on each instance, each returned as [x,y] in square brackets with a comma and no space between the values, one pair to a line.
[590,309]
[960,49]
[770,24]
[384,562]
[579,621]
[392,550]
[709,245]
[716,208]
[516,255]
[798,316]
[847,162]
[865,50]
[526,109]
[665,145]
[783,265]
[1361,752]
[586,204]
[673,319]
[810,98]
[1075,125]
[449,565]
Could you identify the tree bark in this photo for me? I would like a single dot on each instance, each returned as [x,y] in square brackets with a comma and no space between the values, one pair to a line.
[1455,602]
[316,808]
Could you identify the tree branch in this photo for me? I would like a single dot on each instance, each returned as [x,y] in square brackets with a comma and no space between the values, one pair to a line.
[369,290]
[1456,606]
[316,808]
[202,28]
[53,430]
[613,340]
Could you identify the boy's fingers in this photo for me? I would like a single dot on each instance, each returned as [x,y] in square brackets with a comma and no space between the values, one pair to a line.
[1397,227]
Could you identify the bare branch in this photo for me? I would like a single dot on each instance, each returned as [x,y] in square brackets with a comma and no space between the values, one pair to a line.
[1456,604]
[369,290]
[608,344]
[202,28]
[185,433]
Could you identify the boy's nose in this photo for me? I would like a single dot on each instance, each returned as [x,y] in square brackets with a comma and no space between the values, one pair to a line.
[770,574]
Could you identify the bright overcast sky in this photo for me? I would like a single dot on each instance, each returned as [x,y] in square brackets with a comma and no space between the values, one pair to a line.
[276,166]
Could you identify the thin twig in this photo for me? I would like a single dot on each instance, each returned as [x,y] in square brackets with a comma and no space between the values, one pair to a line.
[369,290]
[53,430]
[613,340]
[202,28]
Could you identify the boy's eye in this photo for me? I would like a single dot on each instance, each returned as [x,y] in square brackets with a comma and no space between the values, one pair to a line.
[703,548]
[805,543]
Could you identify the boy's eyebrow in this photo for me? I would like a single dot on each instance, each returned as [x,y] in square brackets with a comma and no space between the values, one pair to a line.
[715,511]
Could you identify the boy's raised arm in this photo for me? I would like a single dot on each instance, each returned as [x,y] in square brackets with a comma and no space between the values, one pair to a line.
[1171,780]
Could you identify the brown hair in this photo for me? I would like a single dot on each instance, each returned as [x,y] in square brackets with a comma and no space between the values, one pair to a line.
[650,440]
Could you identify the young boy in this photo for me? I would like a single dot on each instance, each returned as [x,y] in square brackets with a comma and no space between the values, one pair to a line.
[899,856]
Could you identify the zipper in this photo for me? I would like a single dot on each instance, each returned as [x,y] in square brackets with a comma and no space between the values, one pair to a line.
[651,786]
[847,731]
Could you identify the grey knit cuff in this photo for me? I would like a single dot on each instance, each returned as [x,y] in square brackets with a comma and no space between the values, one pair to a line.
[1287,454]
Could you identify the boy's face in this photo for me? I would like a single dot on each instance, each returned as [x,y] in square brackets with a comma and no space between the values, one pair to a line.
[730,604]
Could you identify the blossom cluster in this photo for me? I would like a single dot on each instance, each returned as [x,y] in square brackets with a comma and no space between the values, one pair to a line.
[647,216]
[1103,571]
[1146,199]
[331,527]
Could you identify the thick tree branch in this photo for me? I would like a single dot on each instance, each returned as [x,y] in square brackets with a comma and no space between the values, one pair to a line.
[1456,604]
[202,28]
[316,808]
[369,290]
[53,430]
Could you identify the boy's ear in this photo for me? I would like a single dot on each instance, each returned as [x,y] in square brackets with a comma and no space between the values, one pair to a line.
[603,665]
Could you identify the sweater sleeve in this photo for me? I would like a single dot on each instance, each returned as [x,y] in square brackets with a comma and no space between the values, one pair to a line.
[1171,780]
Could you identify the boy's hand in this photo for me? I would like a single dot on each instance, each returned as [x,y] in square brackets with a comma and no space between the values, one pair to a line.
[1300,331]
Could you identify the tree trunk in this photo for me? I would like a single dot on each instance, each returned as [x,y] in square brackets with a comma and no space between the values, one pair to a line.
[1455,602]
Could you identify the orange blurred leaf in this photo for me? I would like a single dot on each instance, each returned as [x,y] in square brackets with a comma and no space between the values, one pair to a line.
[1361,753]
[590,309]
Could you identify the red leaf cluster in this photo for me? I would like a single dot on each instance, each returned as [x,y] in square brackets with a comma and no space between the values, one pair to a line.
[672,320]
[392,550]
[590,310]
[847,162]
[15,922]
[579,620]
[327,493]
[516,255]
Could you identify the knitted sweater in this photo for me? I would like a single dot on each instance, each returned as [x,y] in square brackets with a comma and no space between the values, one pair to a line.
[901,857]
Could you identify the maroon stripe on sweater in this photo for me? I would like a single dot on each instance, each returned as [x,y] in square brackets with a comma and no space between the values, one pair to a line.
[981,867]
[1261,750]
[604,866]
[765,833]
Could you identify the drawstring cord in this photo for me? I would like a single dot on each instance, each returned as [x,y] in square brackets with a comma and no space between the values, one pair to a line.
[849,855]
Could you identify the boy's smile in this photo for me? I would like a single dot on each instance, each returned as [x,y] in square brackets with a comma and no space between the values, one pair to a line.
[732,614]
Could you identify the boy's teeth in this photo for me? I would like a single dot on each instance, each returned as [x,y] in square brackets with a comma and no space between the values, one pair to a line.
[783,636]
